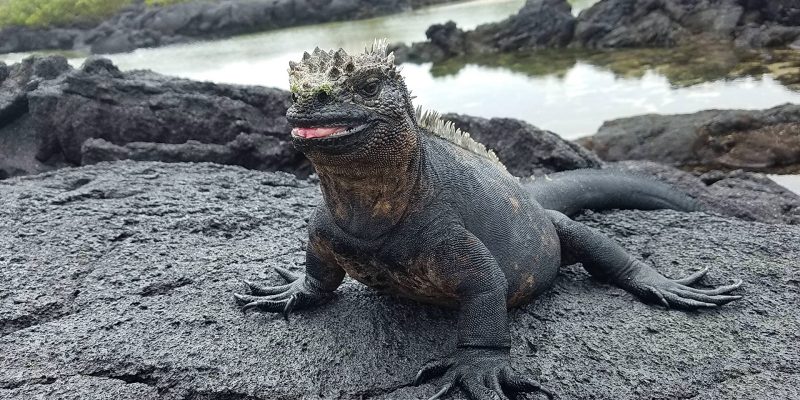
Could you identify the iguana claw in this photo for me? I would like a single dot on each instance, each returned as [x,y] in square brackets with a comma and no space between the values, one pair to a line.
[481,372]
[296,294]
[677,293]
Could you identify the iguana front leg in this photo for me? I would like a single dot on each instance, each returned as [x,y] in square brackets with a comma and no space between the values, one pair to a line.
[300,291]
[481,364]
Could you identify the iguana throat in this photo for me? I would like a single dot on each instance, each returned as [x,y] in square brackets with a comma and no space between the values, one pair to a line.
[352,117]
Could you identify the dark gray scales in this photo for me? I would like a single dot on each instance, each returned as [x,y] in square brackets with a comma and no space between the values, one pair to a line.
[415,208]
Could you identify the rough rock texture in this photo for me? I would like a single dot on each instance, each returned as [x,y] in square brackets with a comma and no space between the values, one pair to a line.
[539,24]
[762,140]
[523,148]
[618,24]
[140,26]
[118,281]
[659,23]
[648,23]
[51,116]
[19,39]
[19,137]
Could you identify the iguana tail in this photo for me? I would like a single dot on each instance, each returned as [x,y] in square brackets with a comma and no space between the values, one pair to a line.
[569,192]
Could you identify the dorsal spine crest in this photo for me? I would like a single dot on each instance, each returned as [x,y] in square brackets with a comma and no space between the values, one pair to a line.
[432,122]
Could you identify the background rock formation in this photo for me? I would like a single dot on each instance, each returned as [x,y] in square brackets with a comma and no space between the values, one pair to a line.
[119,279]
[140,26]
[617,24]
[52,116]
[523,148]
[539,24]
[765,140]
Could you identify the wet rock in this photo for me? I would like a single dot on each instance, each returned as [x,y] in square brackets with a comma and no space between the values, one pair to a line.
[119,279]
[762,140]
[648,23]
[523,148]
[52,116]
[20,39]
[666,23]
[3,71]
[20,138]
[539,24]
[749,24]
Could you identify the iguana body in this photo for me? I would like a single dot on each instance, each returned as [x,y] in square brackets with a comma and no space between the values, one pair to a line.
[415,208]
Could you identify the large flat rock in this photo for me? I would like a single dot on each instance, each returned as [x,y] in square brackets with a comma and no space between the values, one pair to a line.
[117,281]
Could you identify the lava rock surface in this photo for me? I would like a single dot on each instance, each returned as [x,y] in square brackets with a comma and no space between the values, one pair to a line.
[118,280]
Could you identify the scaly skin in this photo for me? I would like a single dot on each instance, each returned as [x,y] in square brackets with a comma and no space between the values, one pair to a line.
[411,213]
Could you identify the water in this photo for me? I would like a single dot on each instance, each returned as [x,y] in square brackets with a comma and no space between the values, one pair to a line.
[571,96]
[791,182]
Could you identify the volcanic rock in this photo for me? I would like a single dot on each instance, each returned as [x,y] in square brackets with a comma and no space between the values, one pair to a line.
[118,281]
[755,140]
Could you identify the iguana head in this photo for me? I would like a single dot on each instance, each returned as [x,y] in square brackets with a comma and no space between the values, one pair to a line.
[350,109]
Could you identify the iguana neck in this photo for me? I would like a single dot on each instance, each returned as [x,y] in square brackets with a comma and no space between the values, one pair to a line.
[368,196]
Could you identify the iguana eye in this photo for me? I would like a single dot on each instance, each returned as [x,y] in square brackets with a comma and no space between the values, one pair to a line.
[370,88]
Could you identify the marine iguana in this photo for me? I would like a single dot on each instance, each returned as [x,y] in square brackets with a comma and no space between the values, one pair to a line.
[414,207]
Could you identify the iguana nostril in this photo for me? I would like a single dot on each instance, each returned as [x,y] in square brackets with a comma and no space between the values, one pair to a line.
[323,97]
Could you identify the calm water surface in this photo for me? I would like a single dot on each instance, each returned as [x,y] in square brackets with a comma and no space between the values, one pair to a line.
[571,96]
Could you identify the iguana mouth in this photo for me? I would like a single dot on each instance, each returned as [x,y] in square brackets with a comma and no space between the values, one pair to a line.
[322,132]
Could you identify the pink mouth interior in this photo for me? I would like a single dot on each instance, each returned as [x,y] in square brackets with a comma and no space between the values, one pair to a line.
[311,133]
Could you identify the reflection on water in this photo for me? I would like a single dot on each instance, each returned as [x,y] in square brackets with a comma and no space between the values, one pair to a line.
[279,46]
[572,92]
[682,66]
[580,5]
[568,92]
[575,102]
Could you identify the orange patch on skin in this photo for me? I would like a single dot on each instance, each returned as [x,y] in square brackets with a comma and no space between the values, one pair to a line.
[523,293]
[383,208]
[419,281]
[323,249]
[514,203]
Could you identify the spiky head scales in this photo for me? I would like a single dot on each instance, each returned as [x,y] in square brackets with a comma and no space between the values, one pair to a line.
[326,71]
[330,72]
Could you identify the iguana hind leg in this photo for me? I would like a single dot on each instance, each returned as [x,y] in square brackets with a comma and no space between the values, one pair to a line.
[607,260]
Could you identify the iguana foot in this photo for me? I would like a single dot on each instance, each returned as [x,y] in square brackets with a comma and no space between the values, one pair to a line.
[299,292]
[481,372]
[654,287]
